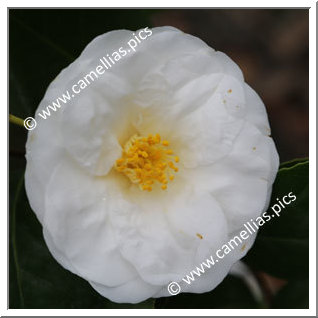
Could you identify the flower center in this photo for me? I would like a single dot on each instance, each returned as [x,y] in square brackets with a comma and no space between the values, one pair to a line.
[147,160]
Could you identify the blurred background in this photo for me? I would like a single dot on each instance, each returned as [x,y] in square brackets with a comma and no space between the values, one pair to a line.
[269,45]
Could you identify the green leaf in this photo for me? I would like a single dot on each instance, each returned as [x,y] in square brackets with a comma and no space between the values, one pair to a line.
[295,295]
[231,293]
[282,245]
[36,279]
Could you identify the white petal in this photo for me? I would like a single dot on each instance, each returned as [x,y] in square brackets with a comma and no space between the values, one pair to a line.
[256,111]
[87,134]
[230,68]
[76,218]
[161,243]
[208,134]
[146,241]
[133,291]
[198,222]
[43,154]
[242,180]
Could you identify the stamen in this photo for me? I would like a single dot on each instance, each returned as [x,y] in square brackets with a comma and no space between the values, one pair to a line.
[145,160]
[165,143]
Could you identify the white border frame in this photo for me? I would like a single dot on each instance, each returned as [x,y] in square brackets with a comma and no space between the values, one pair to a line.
[312,153]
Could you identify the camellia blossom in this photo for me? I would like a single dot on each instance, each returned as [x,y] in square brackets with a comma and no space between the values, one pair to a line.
[153,167]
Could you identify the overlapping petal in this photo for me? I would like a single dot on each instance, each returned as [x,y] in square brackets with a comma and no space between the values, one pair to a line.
[129,244]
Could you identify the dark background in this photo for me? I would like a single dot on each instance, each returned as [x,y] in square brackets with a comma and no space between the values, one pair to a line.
[270,46]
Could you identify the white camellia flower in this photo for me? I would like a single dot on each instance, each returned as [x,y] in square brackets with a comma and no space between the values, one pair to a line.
[151,168]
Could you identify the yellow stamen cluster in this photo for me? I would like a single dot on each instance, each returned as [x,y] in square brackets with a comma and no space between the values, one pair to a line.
[146,160]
